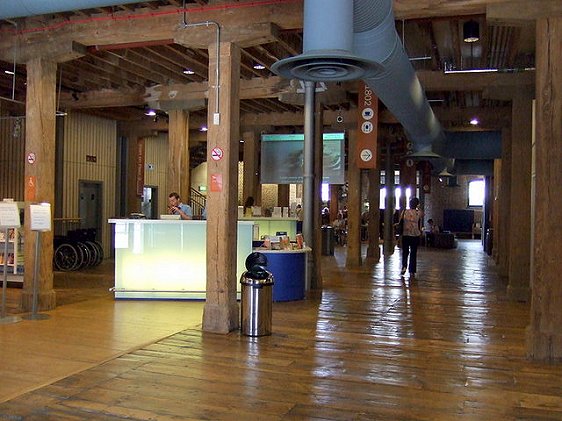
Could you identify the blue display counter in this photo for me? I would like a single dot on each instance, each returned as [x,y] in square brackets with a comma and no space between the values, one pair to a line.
[289,273]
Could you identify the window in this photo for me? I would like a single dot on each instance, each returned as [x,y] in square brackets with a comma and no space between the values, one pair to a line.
[325,192]
[476,192]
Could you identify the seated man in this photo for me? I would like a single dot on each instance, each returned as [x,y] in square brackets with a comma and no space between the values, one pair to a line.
[430,232]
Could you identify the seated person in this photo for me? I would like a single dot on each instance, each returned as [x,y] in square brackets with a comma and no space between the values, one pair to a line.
[176,207]
[430,232]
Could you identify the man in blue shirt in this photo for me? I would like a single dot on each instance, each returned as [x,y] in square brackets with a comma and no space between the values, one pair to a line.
[176,207]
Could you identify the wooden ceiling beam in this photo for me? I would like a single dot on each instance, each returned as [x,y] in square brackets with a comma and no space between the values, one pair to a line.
[439,81]
[522,11]
[102,99]
[122,67]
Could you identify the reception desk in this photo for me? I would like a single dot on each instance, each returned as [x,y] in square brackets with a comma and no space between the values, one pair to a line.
[289,273]
[271,225]
[163,259]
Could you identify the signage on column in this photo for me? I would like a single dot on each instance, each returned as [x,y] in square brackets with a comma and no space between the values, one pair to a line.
[30,191]
[216,154]
[140,166]
[408,173]
[216,183]
[367,122]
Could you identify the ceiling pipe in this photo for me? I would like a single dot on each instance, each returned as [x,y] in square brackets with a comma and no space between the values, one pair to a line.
[397,86]
[376,45]
[23,8]
[327,46]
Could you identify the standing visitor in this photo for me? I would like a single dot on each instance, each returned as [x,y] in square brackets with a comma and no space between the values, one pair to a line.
[411,233]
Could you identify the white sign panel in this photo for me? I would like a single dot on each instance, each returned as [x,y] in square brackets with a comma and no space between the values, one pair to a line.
[9,215]
[40,217]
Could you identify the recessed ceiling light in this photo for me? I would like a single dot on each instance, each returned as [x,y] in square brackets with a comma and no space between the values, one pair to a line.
[471,31]
[188,71]
[203,129]
[150,113]
[259,66]
[474,122]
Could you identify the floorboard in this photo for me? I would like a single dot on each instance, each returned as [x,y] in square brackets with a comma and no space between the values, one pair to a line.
[371,346]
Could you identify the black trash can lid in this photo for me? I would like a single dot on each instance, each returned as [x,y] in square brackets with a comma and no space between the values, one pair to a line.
[254,259]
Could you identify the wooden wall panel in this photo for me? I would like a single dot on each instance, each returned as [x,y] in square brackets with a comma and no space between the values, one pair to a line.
[88,136]
[12,151]
[156,155]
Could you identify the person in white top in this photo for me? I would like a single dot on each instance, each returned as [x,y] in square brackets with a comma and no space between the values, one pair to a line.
[411,233]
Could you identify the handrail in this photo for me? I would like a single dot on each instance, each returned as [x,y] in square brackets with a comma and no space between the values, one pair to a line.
[198,202]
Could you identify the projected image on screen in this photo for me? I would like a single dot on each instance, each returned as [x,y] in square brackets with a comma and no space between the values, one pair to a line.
[282,158]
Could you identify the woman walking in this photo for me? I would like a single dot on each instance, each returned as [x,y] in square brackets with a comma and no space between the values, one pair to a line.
[411,236]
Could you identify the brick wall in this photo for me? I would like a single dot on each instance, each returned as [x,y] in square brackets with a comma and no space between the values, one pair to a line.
[443,197]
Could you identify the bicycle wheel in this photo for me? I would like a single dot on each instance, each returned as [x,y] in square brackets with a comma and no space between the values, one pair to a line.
[85,251]
[66,257]
[100,252]
[93,250]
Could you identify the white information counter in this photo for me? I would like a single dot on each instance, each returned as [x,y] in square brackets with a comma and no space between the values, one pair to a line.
[163,259]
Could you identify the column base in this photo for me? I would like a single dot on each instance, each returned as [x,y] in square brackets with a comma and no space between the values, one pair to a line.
[221,319]
[544,346]
[519,294]
[46,300]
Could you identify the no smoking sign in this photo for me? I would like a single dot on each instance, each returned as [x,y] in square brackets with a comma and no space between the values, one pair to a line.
[216,154]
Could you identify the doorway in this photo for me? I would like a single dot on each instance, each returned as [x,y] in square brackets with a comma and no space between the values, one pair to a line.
[90,206]
[149,204]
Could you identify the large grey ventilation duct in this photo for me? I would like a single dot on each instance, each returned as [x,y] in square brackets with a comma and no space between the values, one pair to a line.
[21,8]
[397,85]
[374,41]
[327,46]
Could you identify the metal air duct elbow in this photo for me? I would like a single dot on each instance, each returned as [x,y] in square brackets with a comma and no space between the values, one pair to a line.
[397,86]
[327,46]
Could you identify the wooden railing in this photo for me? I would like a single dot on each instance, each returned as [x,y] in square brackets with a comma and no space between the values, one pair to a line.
[197,202]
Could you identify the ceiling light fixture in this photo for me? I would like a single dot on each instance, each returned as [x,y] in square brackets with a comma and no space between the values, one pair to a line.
[259,66]
[9,72]
[203,129]
[474,122]
[420,58]
[188,72]
[150,113]
[449,72]
[471,31]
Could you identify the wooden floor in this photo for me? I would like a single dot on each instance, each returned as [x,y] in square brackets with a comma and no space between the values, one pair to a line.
[371,346]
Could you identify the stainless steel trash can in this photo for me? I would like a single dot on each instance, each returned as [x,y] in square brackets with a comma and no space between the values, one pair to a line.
[256,302]
[328,240]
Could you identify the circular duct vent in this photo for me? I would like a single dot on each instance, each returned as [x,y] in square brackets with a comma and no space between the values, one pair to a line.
[326,67]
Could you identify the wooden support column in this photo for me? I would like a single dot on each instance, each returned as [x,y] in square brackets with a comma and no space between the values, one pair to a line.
[496,210]
[251,182]
[316,272]
[40,135]
[544,336]
[504,205]
[373,229]
[134,144]
[221,313]
[178,176]
[519,253]
[353,258]
[282,195]
[334,202]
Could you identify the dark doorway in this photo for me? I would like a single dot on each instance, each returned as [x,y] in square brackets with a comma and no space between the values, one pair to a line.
[90,206]
[149,204]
